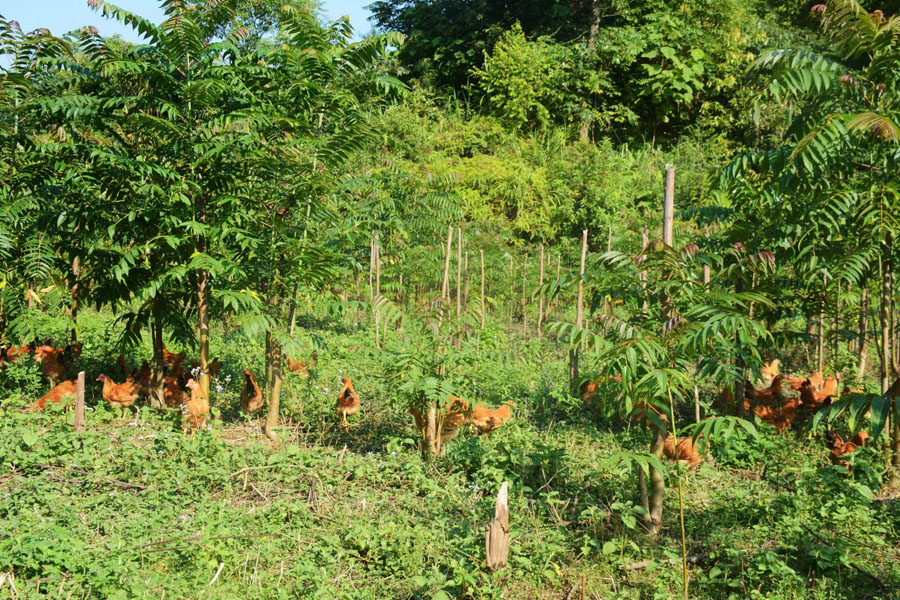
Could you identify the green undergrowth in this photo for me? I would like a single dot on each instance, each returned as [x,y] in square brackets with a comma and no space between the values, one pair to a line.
[134,509]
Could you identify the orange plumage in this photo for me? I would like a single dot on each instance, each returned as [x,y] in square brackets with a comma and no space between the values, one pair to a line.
[195,410]
[295,366]
[487,420]
[119,395]
[348,402]
[52,361]
[63,391]
[840,448]
[687,452]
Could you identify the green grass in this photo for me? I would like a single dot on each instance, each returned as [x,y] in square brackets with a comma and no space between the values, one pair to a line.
[133,509]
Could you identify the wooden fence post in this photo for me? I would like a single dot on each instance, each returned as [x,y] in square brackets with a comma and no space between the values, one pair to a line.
[496,540]
[79,403]
[669,207]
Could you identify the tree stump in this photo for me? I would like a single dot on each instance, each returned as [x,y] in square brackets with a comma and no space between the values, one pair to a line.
[497,538]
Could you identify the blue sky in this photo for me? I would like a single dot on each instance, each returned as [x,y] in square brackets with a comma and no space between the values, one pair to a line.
[60,16]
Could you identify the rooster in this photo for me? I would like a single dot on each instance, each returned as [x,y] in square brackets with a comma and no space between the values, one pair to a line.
[195,409]
[251,395]
[840,448]
[487,420]
[64,391]
[119,395]
[348,403]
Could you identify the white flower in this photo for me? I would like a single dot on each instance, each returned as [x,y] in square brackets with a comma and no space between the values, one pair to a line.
[132,424]
[228,379]
[219,388]
[394,453]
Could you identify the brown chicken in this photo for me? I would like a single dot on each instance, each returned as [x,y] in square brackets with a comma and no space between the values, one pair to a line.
[174,388]
[487,420]
[687,452]
[770,396]
[449,422]
[119,395]
[840,448]
[589,388]
[52,361]
[251,395]
[214,367]
[142,378]
[64,392]
[195,409]
[815,381]
[171,359]
[768,372]
[11,355]
[295,366]
[348,403]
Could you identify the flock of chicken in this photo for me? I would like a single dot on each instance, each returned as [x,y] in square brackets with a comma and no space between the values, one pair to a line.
[182,390]
[771,405]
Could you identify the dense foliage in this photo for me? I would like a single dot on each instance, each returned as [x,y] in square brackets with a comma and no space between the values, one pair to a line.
[465,205]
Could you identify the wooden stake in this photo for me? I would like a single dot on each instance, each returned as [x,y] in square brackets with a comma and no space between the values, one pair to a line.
[377,248]
[669,207]
[481,256]
[524,304]
[541,294]
[496,540]
[79,403]
[445,289]
[579,313]
[458,272]
[465,282]
[511,292]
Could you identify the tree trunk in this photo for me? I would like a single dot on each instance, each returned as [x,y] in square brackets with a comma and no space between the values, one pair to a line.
[862,338]
[657,491]
[432,440]
[885,314]
[203,325]
[820,348]
[274,359]
[157,389]
[73,289]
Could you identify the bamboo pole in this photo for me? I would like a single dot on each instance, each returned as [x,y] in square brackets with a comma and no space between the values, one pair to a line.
[541,294]
[377,289]
[511,292]
[79,403]
[465,281]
